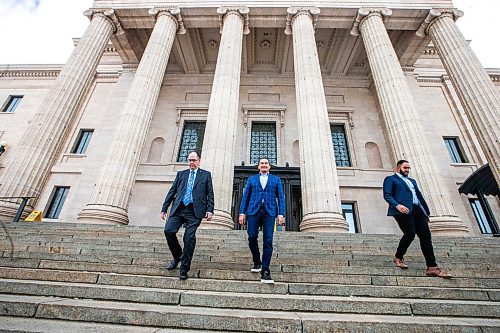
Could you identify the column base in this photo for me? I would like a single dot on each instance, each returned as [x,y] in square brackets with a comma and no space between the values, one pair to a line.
[8,211]
[102,214]
[324,222]
[221,220]
[447,226]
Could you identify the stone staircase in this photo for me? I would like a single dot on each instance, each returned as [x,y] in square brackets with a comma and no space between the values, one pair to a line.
[99,278]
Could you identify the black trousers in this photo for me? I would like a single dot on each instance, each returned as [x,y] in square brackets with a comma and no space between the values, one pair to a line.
[183,215]
[413,224]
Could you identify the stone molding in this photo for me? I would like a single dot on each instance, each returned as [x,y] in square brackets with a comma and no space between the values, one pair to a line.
[274,111]
[341,113]
[366,12]
[173,12]
[241,11]
[198,110]
[434,15]
[293,12]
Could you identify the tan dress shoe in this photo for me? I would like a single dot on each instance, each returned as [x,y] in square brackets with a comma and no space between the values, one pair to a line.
[400,263]
[436,271]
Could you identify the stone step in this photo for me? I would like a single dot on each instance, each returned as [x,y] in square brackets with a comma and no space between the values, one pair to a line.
[187,317]
[358,285]
[252,301]
[28,325]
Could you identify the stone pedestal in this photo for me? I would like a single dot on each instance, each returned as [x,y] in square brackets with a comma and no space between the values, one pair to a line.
[110,197]
[404,127]
[478,94]
[321,203]
[41,143]
[220,131]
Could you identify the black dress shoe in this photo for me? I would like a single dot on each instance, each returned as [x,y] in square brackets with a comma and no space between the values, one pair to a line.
[183,275]
[172,264]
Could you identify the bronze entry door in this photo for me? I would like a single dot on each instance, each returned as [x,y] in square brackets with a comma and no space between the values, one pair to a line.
[290,178]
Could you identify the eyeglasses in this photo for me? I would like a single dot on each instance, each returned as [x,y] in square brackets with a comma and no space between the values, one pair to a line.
[192,160]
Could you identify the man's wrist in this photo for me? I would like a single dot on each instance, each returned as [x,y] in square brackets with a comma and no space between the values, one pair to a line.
[242,214]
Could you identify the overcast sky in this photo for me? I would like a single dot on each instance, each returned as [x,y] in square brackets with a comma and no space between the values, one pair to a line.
[41,31]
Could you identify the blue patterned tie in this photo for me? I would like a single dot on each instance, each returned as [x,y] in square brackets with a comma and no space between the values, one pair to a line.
[188,195]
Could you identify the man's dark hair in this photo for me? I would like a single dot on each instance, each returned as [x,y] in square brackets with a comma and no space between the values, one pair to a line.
[263,158]
[401,162]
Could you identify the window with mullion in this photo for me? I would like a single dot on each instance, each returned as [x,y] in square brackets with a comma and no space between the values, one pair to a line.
[263,142]
[349,213]
[453,147]
[12,103]
[340,148]
[58,197]
[192,139]
[82,141]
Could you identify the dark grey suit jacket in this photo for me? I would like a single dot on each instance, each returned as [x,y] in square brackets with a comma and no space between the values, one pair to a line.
[203,193]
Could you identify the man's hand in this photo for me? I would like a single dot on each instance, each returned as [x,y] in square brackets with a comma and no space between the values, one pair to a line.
[242,219]
[281,220]
[208,216]
[163,215]
[402,209]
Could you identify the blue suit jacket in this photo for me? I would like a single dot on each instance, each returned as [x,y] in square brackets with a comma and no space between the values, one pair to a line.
[203,193]
[397,192]
[253,195]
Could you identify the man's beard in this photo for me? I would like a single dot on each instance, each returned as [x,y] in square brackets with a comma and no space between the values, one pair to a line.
[402,173]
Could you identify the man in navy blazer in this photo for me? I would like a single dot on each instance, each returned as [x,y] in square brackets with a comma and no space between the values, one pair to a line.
[263,200]
[408,207]
[193,197]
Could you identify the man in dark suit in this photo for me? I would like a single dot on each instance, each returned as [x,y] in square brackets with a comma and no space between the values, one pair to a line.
[408,207]
[193,197]
[263,200]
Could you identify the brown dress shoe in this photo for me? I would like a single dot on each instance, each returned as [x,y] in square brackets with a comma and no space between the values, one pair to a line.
[400,263]
[436,271]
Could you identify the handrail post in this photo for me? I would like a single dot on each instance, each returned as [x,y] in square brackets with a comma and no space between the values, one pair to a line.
[21,209]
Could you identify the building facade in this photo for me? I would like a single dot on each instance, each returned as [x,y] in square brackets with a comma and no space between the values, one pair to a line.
[333,93]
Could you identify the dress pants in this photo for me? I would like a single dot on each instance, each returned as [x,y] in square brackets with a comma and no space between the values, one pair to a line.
[262,218]
[183,215]
[416,223]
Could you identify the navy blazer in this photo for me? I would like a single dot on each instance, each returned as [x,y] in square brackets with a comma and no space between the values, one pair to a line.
[397,192]
[203,193]
[254,194]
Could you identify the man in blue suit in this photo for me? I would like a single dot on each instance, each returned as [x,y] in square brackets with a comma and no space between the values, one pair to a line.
[193,199]
[263,200]
[408,207]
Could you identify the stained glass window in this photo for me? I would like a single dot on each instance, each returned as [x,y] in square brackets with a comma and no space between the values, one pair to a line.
[340,147]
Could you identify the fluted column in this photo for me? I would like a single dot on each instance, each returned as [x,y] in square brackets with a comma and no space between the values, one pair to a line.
[26,173]
[111,194]
[480,98]
[220,131]
[319,181]
[405,129]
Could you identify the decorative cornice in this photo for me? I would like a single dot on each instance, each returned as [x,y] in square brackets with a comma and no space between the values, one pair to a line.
[108,14]
[434,15]
[29,73]
[241,11]
[366,12]
[293,12]
[172,11]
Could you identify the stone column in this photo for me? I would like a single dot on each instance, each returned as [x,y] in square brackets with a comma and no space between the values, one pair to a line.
[480,98]
[405,129]
[220,131]
[110,197]
[39,146]
[319,181]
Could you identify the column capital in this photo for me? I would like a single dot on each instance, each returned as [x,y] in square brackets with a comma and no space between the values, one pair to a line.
[108,14]
[293,12]
[173,12]
[366,12]
[241,11]
[434,15]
